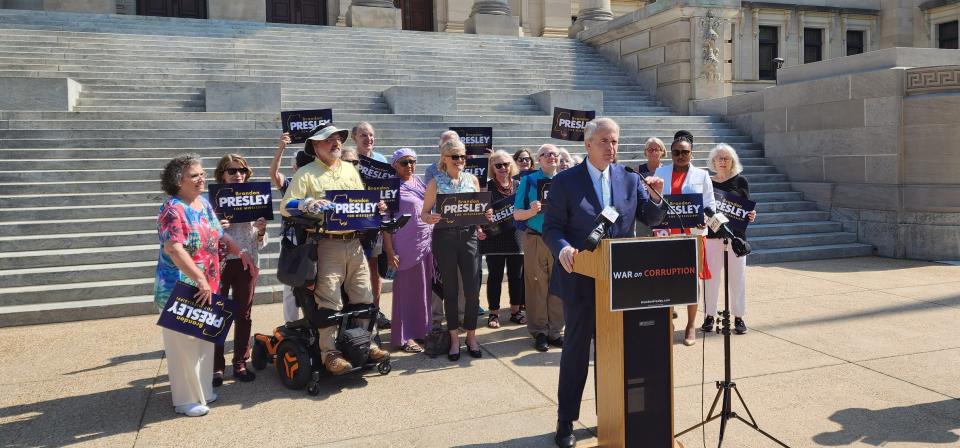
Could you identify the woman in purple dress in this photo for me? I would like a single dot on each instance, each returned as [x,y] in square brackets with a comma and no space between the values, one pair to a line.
[408,252]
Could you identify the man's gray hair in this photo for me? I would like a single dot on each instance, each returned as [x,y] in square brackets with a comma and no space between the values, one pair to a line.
[597,123]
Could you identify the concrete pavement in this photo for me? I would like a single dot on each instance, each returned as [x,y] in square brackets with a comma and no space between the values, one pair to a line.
[847,352]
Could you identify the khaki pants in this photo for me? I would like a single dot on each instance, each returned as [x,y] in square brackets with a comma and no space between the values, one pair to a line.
[544,310]
[339,262]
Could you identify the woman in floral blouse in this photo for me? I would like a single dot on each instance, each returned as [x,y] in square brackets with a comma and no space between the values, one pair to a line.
[190,237]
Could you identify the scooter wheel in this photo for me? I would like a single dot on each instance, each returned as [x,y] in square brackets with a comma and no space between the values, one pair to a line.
[384,367]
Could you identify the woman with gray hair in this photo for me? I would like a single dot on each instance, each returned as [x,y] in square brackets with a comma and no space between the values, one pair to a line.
[190,238]
[566,160]
[723,160]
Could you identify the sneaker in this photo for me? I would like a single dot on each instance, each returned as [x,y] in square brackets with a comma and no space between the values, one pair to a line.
[192,410]
[540,342]
[739,327]
[378,354]
[707,326]
[382,322]
[336,364]
[482,311]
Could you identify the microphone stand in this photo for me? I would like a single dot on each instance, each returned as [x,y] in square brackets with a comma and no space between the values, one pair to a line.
[683,226]
[724,387]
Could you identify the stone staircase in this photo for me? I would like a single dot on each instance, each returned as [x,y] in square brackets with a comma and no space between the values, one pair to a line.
[79,191]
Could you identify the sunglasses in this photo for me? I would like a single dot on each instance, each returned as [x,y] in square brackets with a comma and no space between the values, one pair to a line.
[354,162]
[408,162]
[234,171]
[678,152]
[525,159]
[501,166]
[456,157]
[550,154]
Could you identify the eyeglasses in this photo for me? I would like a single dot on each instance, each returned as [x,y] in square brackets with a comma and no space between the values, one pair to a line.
[501,166]
[722,159]
[678,152]
[550,154]
[354,162]
[524,159]
[234,171]
[456,157]
[652,149]
[408,162]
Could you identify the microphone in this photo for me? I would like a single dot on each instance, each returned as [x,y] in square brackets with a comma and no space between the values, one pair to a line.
[604,221]
[662,199]
[718,224]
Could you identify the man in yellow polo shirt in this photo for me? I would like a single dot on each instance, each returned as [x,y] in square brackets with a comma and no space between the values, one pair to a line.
[340,259]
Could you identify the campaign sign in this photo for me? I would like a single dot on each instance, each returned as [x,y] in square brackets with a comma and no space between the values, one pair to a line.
[182,314]
[478,167]
[374,169]
[389,190]
[653,273]
[568,124]
[462,209]
[543,190]
[353,210]
[242,202]
[503,209]
[686,211]
[476,140]
[735,208]
[299,123]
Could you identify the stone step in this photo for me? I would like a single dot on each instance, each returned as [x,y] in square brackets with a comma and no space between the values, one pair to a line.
[137,108]
[802,240]
[802,212]
[810,253]
[141,103]
[792,228]
[87,94]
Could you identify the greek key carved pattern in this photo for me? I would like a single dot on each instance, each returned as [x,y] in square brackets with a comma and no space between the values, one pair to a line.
[932,79]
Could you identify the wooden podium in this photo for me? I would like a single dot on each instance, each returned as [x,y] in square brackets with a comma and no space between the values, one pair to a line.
[634,354]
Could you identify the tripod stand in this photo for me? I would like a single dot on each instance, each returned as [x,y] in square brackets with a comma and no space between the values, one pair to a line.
[727,385]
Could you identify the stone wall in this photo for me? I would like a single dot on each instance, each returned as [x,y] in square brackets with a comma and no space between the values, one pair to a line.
[666,46]
[879,148]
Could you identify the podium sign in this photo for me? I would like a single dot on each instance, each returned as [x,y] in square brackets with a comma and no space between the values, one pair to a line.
[653,273]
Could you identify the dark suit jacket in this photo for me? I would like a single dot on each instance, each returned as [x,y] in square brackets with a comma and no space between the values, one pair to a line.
[571,216]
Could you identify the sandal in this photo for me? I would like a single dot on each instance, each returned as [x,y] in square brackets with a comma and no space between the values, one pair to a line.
[493,320]
[412,348]
[519,317]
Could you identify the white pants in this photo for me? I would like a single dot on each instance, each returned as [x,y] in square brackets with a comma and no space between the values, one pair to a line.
[189,367]
[713,288]
[290,310]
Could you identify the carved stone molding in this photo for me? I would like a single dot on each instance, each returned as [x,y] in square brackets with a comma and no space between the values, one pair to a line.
[932,80]
[711,70]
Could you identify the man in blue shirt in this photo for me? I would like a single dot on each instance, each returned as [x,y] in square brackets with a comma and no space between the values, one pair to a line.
[544,310]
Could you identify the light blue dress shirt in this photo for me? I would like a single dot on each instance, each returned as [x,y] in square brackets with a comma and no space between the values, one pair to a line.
[599,185]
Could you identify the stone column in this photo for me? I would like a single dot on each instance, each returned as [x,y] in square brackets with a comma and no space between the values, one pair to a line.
[592,13]
[556,18]
[374,14]
[492,17]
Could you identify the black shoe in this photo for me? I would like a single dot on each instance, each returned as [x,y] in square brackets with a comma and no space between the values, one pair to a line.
[217,379]
[243,375]
[738,326]
[475,353]
[558,342]
[382,322]
[707,326]
[453,357]
[540,342]
[564,437]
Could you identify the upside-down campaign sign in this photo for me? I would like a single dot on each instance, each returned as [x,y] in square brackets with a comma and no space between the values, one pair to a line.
[478,167]
[735,208]
[242,202]
[389,190]
[685,211]
[462,209]
[374,169]
[353,210]
[568,124]
[477,140]
[653,273]
[183,315]
[299,123]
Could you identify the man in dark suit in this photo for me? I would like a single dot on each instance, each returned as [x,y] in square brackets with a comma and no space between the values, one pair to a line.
[577,196]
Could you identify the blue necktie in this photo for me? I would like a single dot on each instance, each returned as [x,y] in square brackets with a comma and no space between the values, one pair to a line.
[604,189]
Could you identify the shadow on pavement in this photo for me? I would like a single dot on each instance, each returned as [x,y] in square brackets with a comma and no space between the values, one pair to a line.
[926,423]
[545,440]
[119,360]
